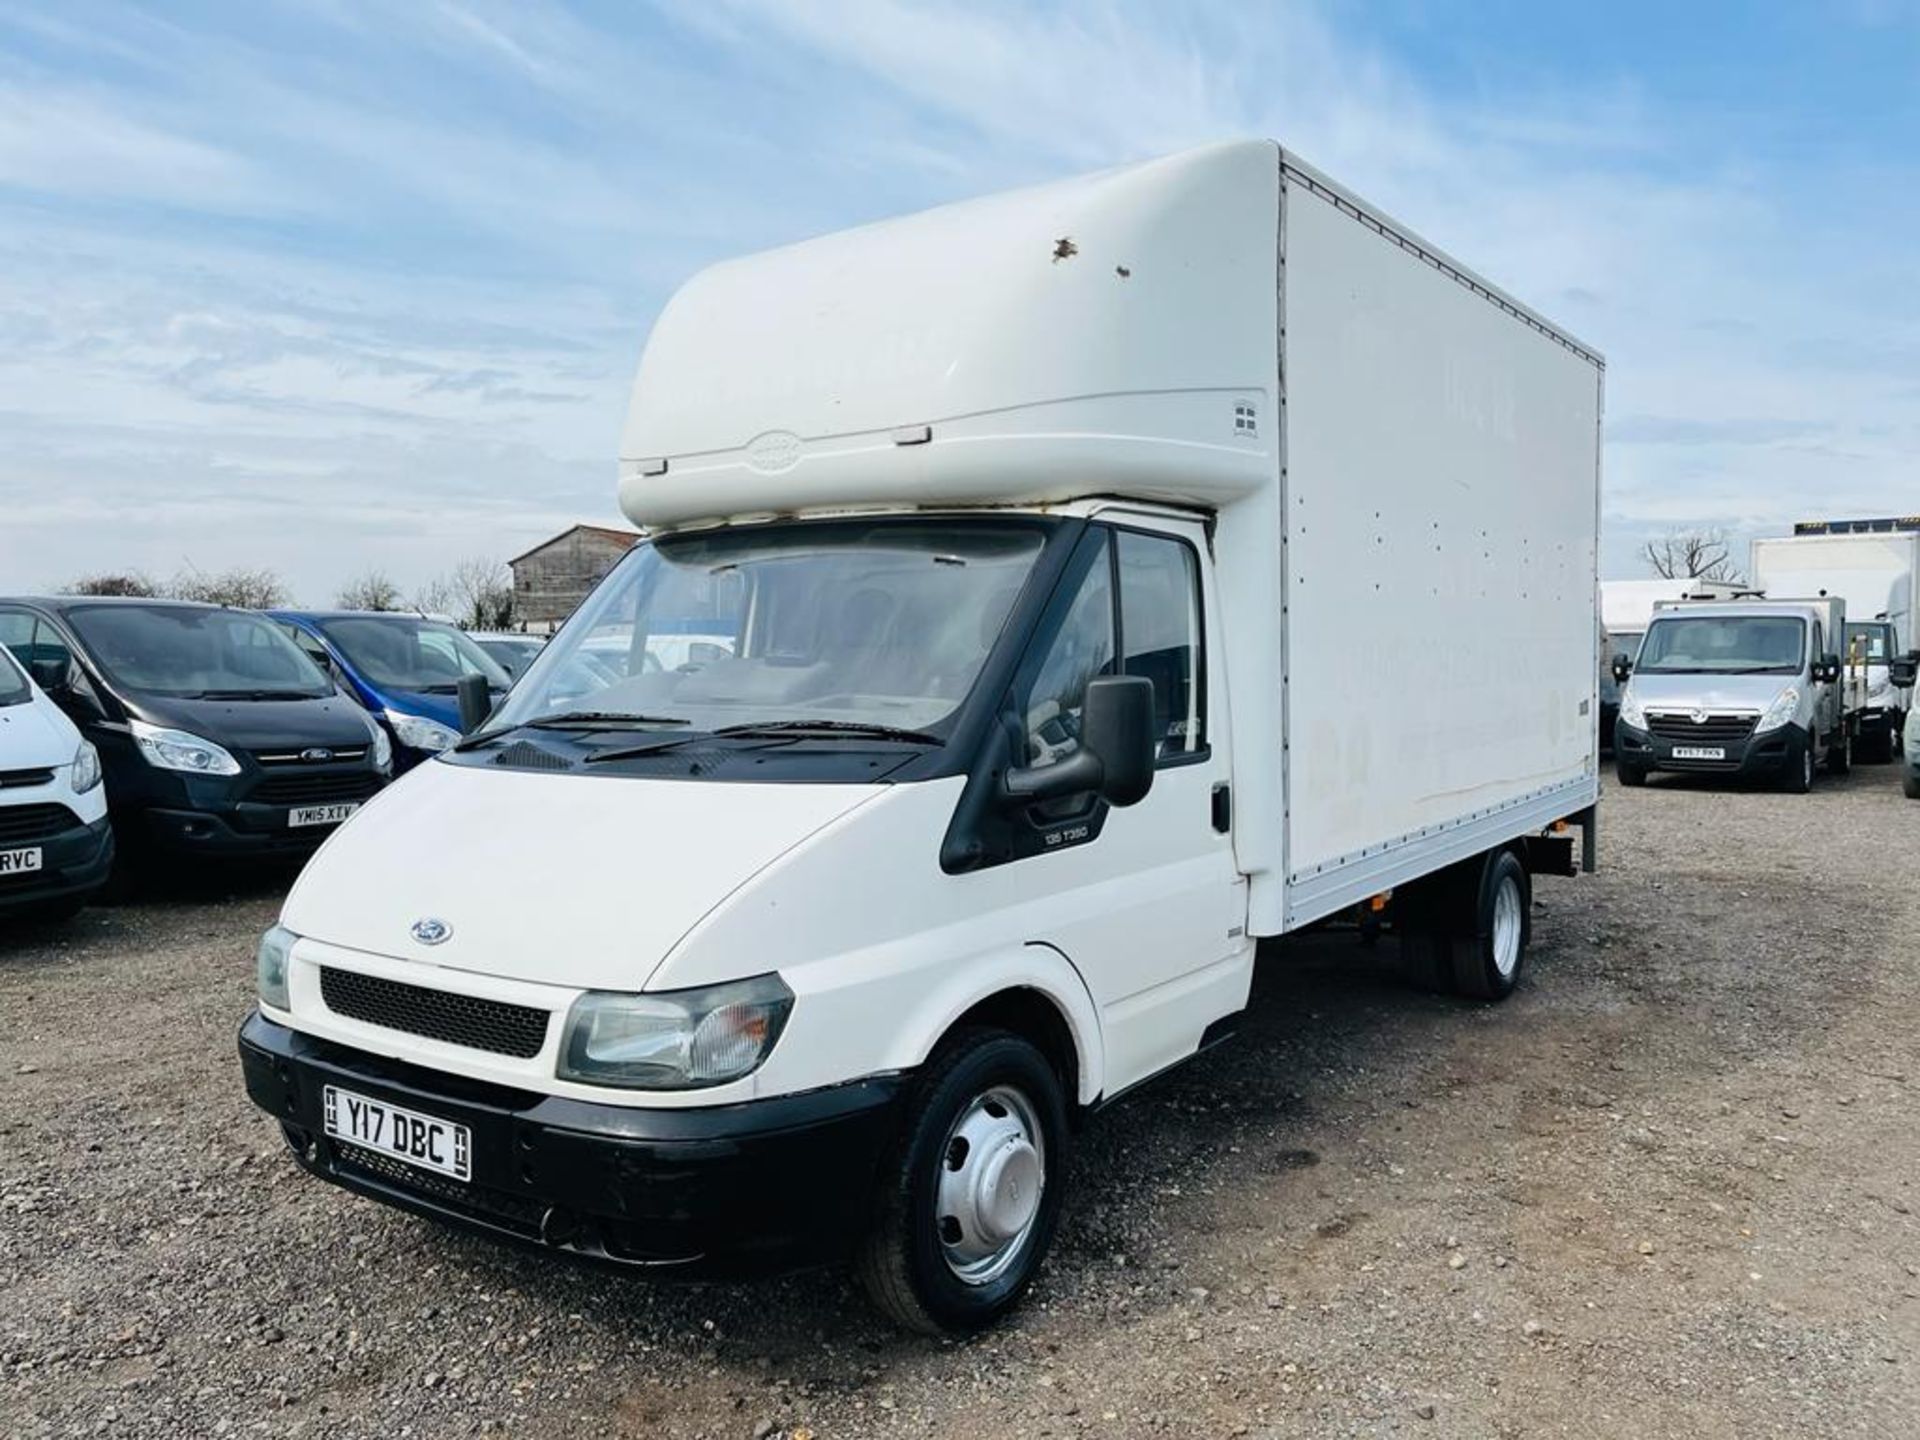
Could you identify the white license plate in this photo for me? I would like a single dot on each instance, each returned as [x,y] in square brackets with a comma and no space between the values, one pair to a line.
[1699,752]
[19,862]
[320,814]
[404,1135]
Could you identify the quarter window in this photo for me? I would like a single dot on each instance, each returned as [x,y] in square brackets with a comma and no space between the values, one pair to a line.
[1160,634]
[1081,650]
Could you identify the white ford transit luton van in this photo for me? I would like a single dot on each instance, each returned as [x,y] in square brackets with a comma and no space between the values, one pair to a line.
[1057,545]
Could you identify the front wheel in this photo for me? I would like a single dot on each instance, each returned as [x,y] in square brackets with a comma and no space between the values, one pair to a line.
[1798,779]
[1631,776]
[1910,784]
[969,1199]
[1840,754]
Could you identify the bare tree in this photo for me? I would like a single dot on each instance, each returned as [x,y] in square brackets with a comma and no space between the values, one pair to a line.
[126,582]
[240,587]
[477,593]
[372,590]
[1693,555]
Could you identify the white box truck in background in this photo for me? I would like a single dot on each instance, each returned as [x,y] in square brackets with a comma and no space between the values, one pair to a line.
[1063,543]
[1872,565]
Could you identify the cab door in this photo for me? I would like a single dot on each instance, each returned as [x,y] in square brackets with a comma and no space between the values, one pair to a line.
[1145,901]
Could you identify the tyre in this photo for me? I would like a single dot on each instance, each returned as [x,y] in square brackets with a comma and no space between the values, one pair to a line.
[969,1196]
[1840,755]
[1489,956]
[1631,776]
[1910,784]
[1798,777]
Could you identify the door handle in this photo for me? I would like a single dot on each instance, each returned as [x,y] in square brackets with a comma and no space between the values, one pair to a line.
[1223,807]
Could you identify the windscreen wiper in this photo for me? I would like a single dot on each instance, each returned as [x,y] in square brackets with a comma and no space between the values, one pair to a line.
[851,728]
[257,695]
[576,720]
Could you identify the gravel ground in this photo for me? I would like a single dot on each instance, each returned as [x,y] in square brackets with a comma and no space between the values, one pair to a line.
[1667,1190]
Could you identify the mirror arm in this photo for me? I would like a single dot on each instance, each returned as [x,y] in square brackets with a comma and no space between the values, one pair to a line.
[1080,773]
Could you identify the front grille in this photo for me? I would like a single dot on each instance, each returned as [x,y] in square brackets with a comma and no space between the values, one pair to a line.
[332,789]
[1714,730]
[491,1025]
[336,755]
[493,1206]
[24,779]
[35,822]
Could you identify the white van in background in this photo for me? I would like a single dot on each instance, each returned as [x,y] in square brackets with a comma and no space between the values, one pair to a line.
[56,847]
[991,679]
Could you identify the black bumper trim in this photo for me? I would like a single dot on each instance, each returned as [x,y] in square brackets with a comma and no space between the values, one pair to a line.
[1768,753]
[74,862]
[748,1188]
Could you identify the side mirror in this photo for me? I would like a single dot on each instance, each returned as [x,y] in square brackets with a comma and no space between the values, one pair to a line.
[51,675]
[1905,670]
[1116,755]
[1622,667]
[476,701]
[1827,669]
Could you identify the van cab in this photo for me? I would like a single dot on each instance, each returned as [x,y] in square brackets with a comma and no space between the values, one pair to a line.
[218,737]
[404,669]
[56,847]
[1744,687]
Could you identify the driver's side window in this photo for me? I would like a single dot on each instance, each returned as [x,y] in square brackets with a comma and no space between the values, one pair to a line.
[1081,650]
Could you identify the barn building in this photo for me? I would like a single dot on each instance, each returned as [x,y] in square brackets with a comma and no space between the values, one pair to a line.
[554,576]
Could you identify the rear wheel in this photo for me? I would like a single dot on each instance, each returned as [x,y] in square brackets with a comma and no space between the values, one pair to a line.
[970,1197]
[1488,959]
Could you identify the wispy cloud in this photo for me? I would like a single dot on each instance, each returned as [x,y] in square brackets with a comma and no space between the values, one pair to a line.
[319,284]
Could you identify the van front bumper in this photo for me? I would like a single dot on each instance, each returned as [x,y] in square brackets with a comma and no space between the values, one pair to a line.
[76,861]
[749,1188]
[1772,752]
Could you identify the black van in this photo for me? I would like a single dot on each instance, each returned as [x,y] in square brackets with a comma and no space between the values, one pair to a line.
[218,736]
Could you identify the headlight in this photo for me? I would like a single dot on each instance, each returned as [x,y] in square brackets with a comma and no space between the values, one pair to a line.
[86,768]
[1632,711]
[270,966]
[417,732]
[1782,710]
[177,750]
[382,751]
[679,1040]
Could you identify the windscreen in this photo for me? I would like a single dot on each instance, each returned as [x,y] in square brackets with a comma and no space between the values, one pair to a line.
[406,652]
[193,653]
[1724,645]
[13,681]
[869,624]
[1871,641]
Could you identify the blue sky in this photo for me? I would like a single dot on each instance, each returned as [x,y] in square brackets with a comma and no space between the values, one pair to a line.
[326,286]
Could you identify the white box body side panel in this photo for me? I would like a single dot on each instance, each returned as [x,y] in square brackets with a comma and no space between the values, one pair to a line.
[1441,528]
[1873,573]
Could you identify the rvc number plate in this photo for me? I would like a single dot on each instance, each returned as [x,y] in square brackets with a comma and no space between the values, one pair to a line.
[19,862]
[403,1135]
[1699,752]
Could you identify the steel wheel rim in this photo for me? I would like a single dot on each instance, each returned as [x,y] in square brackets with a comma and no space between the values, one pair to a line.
[1506,927]
[992,1174]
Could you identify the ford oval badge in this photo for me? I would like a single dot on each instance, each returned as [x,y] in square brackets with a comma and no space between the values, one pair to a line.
[429,931]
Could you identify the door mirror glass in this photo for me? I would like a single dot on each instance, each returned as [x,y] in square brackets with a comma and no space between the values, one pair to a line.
[1905,670]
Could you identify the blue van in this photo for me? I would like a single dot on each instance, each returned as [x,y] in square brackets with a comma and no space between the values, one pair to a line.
[404,668]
